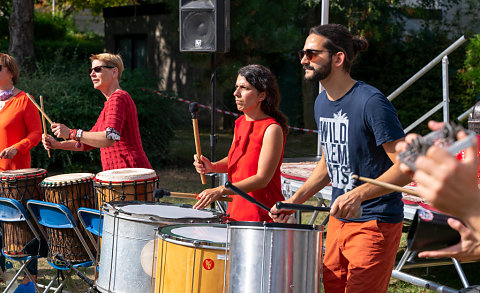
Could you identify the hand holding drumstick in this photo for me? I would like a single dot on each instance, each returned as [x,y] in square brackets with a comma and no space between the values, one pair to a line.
[44,125]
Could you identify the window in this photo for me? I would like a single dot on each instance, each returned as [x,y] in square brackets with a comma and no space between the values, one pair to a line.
[133,49]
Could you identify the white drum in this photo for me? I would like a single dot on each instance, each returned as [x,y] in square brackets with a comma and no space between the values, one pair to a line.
[127,228]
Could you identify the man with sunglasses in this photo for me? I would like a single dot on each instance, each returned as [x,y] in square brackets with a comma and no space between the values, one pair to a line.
[359,130]
[116,132]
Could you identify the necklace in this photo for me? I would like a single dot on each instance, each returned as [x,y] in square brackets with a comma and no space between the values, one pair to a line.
[5,95]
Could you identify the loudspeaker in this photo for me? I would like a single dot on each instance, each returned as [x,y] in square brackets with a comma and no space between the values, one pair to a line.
[204,25]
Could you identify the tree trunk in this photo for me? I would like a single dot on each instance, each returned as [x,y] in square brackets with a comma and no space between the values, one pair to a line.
[21,33]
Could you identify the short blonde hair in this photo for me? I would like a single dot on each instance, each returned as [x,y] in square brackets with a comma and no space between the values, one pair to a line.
[12,65]
[110,60]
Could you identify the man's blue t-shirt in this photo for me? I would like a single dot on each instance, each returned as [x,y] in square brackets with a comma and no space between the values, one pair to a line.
[352,130]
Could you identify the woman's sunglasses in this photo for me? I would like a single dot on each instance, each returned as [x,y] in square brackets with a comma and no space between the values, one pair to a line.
[309,53]
[97,69]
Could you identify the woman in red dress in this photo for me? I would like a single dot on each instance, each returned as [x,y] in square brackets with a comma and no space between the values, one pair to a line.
[254,160]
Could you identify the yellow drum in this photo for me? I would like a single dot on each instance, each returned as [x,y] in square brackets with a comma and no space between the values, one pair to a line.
[126,184]
[191,258]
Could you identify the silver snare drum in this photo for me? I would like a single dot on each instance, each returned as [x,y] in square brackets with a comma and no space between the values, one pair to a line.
[127,228]
[271,257]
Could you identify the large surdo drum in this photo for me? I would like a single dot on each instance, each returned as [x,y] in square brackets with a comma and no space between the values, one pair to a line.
[191,258]
[22,185]
[73,190]
[271,257]
[125,185]
[128,227]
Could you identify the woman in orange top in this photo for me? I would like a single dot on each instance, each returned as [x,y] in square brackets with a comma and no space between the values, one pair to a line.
[253,162]
[20,128]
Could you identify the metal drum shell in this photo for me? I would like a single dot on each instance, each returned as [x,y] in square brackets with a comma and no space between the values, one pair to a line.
[124,235]
[271,257]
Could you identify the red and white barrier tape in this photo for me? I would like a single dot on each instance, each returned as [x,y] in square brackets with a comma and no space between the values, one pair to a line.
[162,94]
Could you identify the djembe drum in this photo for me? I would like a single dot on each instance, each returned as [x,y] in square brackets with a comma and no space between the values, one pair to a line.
[73,190]
[125,185]
[22,185]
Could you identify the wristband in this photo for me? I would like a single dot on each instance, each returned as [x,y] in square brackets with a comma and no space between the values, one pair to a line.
[78,134]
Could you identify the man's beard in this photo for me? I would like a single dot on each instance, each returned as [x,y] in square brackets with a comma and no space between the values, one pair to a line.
[320,73]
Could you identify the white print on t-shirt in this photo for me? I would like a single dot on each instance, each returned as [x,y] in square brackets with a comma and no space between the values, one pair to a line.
[334,141]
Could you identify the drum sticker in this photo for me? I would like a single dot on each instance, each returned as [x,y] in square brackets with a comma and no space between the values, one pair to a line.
[425,215]
[208,264]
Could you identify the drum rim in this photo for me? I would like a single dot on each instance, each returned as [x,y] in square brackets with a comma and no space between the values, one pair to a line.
[152,172]
[167,235]
[40,173]
[262,225]
[65,182]
[98,182]
[111,210]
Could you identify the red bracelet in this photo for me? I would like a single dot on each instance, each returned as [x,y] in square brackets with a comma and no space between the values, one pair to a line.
[74,134]
[70,134]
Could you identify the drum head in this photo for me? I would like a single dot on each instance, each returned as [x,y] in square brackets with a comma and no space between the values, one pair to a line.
[125,175]
[200,233]
[67,178]
[162,211]
[22,172]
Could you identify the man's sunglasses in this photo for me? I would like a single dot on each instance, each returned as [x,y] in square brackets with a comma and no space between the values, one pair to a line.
[97,69]
[309,53]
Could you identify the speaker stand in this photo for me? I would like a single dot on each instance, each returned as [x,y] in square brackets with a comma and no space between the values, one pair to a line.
[213,138]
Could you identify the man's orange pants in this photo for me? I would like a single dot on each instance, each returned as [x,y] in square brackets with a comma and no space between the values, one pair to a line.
[359,257]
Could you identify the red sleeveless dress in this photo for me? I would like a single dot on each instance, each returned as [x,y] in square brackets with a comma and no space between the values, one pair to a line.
[243,163]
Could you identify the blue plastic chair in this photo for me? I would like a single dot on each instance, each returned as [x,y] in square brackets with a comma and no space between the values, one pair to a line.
[58,216]
[92,221]
[12,211]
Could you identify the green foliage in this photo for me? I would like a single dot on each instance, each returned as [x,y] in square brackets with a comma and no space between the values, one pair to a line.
[67,7]
[470,73]
[48,27]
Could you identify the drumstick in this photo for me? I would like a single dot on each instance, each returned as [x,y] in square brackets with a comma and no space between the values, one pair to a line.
[39,108]
[246,196]
[159,193]
[386,185]
[308,208]
[193,107]
[43,122]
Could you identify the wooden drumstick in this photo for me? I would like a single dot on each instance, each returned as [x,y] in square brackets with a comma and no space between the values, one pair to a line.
[193,107]
[39,108]
[160,193]
[387,185]
[44,125]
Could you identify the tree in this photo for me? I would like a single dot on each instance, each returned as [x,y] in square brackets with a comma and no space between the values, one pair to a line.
[67,7]
[21,33]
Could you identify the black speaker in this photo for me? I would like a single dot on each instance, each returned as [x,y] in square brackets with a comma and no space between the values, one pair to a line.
[204,25]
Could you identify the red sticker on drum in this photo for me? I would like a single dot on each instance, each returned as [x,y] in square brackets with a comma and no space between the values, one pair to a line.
[208,264]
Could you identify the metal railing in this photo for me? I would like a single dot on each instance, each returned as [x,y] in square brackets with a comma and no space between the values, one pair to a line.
[443,57]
